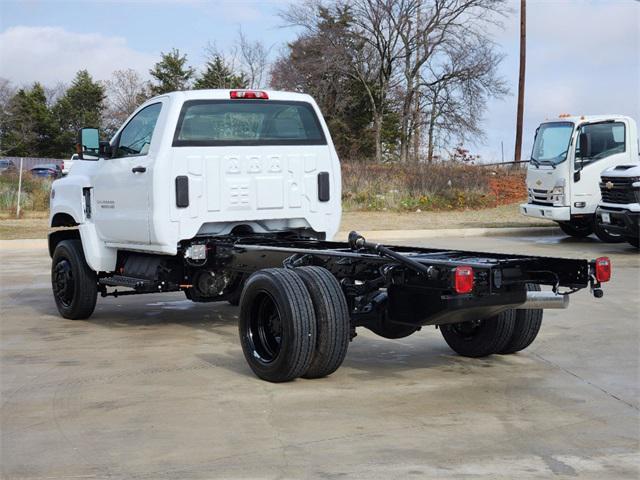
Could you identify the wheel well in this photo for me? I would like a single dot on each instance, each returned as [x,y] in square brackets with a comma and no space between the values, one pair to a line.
[63,220]
[56,237]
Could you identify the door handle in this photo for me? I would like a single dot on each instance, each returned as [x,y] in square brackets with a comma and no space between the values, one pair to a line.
[139,169]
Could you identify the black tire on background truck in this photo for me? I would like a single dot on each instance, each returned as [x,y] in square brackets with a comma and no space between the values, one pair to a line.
[74,284]
[634,241]
[605,236]
[480,338]
[277,325]
[526,327]
[578,230]
[333,325]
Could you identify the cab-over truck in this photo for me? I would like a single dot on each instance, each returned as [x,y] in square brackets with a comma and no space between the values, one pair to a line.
[235,195]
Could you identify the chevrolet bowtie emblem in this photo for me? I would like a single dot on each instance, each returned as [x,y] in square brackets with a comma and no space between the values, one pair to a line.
[609,185]
[539,182]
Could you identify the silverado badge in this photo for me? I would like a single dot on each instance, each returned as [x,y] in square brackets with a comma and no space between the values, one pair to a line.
[609,185]
[539,182]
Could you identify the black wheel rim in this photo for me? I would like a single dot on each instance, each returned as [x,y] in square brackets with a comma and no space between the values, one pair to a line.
[467,330]
[63,282]
[265,328]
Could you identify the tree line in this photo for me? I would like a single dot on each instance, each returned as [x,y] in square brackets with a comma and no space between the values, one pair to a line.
[395,79]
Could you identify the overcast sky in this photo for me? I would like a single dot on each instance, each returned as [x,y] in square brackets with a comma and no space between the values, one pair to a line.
[583,55]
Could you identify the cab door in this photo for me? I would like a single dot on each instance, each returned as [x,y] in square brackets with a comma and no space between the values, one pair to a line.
[606,147]
[122,184]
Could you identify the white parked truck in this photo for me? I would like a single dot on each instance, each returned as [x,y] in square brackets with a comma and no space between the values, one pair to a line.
[234,195]
[563,176]
[619,209]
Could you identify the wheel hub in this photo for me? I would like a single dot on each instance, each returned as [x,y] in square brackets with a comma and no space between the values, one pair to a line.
[63,282]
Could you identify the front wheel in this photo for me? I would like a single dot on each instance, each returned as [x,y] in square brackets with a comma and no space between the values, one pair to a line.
[634,241]
[74,284]
[479,338]
[575,229]
[604,235]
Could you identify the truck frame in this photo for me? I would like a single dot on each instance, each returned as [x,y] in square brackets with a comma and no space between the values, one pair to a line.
[301,295]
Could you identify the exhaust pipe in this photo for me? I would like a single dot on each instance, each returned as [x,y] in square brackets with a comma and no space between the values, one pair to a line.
[544,300]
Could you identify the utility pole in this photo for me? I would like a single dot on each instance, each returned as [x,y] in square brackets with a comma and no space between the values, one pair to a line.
[517,157]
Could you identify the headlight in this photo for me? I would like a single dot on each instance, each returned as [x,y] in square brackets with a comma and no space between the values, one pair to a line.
[557,191]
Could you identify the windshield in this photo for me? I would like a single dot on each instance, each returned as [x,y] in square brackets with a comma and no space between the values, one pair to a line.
[247,122]
[552,143]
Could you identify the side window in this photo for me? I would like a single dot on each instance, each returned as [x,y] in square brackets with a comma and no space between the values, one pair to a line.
[135,138]
[602,140]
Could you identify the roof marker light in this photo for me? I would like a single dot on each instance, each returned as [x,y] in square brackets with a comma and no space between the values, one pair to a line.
[249,94]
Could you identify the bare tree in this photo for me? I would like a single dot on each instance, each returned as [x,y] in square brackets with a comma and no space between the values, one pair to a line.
[429,31]
[254,60]
[456,90]
[125,92]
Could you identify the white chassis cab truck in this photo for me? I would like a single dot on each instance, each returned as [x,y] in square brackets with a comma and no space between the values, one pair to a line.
[234,195]
[563,176]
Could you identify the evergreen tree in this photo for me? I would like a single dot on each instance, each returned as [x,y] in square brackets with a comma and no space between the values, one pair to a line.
[80,106]
[219,75]
[171,73]
[27,126]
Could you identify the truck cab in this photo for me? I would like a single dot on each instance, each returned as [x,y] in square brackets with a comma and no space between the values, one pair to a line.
[563,175]
[202,163]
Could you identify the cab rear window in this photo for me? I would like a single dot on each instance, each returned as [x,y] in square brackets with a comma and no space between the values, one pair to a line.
[247,123]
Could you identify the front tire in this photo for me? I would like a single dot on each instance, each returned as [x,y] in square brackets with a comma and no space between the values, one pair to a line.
[606,236]
[74,284]
[277,325]
[333,324]
[634,241]
[578,230]
[480,338]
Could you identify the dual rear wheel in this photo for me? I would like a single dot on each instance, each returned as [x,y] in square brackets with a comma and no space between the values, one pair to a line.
[508,332]
[293,323]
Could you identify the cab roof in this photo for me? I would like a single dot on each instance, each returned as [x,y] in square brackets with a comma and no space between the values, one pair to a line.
[225,94]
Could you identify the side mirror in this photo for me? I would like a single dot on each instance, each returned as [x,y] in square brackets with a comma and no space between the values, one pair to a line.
[88,144]
[576,176]
[585,146]
[105,149]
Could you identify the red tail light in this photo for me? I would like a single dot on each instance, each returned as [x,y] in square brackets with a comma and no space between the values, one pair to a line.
[603,269]
[463,279]
[249,94]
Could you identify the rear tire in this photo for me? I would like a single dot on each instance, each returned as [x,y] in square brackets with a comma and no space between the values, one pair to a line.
[526,327]
[333,324]
[74,284]
[578,230]
[606,236]
[277,325]
[481,337]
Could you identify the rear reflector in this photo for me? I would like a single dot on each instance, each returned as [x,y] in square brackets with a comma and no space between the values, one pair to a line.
[249,94]
[463,279]
[603,269]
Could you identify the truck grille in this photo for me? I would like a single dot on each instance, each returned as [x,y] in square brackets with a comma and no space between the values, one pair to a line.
[618,190]
[541,197]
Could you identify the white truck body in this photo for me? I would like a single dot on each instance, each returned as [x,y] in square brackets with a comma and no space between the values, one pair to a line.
[564,187]
[619,209]
[123,203]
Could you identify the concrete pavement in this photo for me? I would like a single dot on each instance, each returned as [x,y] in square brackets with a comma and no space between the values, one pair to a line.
[155,387]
